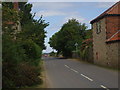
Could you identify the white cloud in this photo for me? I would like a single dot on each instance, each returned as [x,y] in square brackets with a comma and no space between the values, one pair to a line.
[79,18]
[74,15]
[50,13]
[48,49]
[50,9]
[51,6]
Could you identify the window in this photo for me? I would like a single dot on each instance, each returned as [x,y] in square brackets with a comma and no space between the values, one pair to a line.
[98,27]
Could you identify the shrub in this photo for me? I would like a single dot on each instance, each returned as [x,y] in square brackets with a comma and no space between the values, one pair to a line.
[16,71]
[33,52]
[21,76]
[12,52]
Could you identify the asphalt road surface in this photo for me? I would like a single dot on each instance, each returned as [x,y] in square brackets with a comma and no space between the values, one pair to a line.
[66,73]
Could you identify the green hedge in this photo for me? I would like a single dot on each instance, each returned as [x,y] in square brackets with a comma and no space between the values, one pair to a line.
[12,52]
[33,52]
[20,61]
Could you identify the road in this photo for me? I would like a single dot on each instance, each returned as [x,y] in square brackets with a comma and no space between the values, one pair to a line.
[66,73]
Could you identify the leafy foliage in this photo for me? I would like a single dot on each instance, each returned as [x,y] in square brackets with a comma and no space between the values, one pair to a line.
[21,49]
[33,52]
[64,41]
[86,47]
[20,76]
[35,32]
[12,51]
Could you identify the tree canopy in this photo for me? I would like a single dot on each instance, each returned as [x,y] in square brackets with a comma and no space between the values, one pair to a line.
[21,49]
[64,40]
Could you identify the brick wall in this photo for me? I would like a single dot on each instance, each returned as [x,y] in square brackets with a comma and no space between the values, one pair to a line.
[115,9]
[112,25]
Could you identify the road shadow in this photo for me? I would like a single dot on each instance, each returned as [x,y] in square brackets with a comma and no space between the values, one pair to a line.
[53,58]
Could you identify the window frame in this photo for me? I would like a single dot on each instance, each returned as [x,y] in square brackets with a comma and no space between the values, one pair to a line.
[98,27]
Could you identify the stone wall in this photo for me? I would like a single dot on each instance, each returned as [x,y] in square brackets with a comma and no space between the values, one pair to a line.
[99,45]
[113,54]
[90,55]
[106,54]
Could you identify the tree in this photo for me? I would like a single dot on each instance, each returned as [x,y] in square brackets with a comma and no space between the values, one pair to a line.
[71,32]
[25,13]
[32,29]
[22,55]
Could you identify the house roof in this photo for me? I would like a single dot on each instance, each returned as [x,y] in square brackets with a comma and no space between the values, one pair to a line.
[112,11]
[114,37]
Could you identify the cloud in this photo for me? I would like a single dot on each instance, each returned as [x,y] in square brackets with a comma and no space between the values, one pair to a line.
[48,49]
[104,4]
[51,8]
[73,0]
[77,17]
[74,15]
[50,13]
[51,5]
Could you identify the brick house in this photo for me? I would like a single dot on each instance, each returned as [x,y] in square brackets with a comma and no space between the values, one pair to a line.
[106,37]
[15,26]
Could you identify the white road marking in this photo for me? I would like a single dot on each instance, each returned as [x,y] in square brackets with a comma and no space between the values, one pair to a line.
[67,66]
[86,77]
[104,87]
[71,69]
[78,72]
[74,70]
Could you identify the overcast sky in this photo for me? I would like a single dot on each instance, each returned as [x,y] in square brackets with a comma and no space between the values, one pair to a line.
[57,13]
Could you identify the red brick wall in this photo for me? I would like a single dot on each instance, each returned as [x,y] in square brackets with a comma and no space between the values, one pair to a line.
[112,25]
[115,9]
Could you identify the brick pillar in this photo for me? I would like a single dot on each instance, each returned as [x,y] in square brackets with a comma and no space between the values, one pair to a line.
[16,6]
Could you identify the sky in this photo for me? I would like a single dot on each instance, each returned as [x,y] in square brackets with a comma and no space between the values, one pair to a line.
[58,13]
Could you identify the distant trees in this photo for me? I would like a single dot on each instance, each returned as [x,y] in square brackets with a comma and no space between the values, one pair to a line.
[71,32]
[21,50]
[52,54]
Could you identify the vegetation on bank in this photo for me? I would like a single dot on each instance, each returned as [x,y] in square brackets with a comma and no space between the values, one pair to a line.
[21,49]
